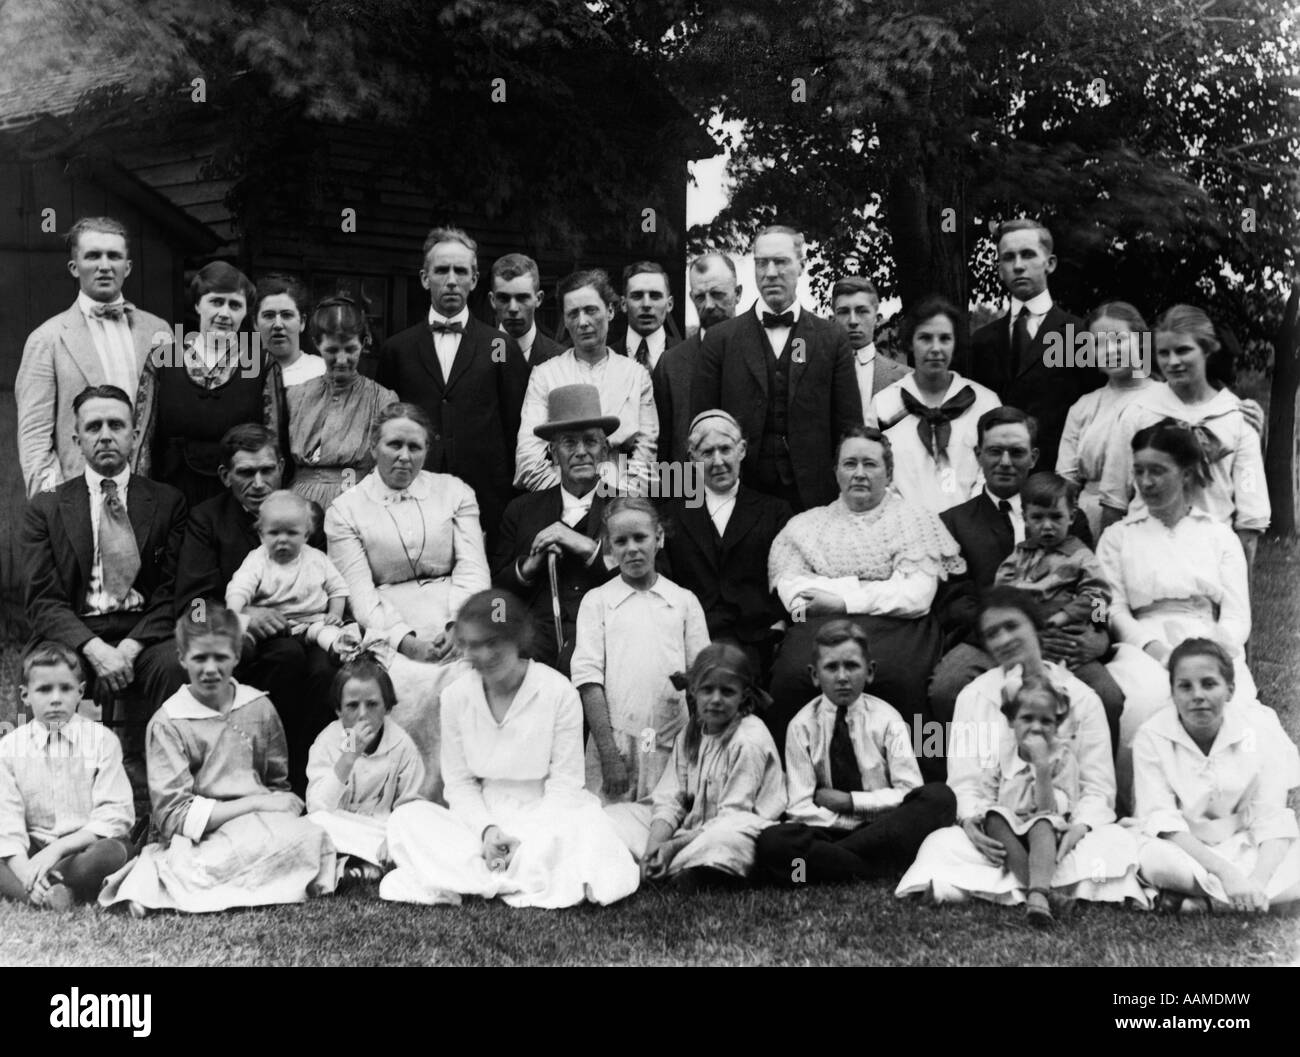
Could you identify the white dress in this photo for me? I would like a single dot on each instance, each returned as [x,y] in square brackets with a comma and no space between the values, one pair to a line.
[1089,425]
[631,641]
[1101,867]
[1170,585]
[524,775]
[1237,493]
[355,813]
[935,484]
[726,793]
[410,560]
[1232,799]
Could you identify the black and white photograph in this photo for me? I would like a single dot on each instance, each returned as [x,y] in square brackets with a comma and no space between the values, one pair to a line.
[545,483]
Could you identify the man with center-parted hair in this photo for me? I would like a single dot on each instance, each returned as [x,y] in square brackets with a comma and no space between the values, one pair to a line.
[786,376]
[468,377]
[100,552]
[714,291]
[516,296]
[101,340]
[219,535]
[1008,354]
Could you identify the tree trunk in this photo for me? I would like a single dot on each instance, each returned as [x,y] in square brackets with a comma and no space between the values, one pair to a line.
[928,258]
[1282,463]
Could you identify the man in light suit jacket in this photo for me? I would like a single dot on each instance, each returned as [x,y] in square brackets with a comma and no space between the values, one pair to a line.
[1009,355]
[101,340]
[467,376]
[857,306]
[786,376]
[714,292]
[100,551]
[516,296]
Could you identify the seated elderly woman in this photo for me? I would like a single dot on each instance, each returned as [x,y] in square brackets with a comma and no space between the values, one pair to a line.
[718,548]
[331,417]
[219,380]
[1096,859]
[1175,573]
[1211,777]
[409,545]
[876,558]
[518,826]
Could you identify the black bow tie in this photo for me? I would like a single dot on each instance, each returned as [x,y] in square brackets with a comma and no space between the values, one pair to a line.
[438,327]
[778,319]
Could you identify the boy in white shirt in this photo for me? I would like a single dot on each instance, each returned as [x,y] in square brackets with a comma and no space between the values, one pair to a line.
[858,808]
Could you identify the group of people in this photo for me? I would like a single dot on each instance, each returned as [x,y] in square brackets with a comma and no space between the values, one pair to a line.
[442,629]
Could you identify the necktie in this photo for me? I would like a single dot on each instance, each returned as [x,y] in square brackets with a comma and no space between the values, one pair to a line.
[778,319]
[845,776]
[115,311]
[439,327]
[118,554]
[1004,506]
[1020,339]
[934,424]
[643,354]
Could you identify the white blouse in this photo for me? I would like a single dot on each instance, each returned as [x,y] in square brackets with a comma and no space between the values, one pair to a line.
[1198,562]
[1089,425]
[980,735]
[1240,785]
[533,754]
[1237,493]
[918,476]
[428,532]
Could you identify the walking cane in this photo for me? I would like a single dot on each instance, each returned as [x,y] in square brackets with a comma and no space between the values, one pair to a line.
[552,570]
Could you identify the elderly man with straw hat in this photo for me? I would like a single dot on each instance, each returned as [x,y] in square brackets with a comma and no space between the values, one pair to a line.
[550,551]
[719,547]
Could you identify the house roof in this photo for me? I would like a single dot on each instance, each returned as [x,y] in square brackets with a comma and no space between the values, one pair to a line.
[59,52]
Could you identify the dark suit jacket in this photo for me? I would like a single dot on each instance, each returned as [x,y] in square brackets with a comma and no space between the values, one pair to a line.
[986,541]
[731,373]
[526,516]
[728,576]
[543,349]
[1042,391]
[58,547]
[475,412]
[672,387]
[219,535]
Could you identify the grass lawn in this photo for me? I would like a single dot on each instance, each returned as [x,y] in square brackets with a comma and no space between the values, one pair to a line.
[859,925]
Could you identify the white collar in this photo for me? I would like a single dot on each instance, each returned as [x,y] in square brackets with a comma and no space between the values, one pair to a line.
[622,590]
[184,705]
[419,488]
[94,481]
[864,702]
[1235,728]
[761,310]
[461,317]
[866,354]
[1144,514]
[39,733]
[715,501]
[1013,500]
[569,501]
[908,382]
[1038,305]
[526,342]
[87,304]
[655,340]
